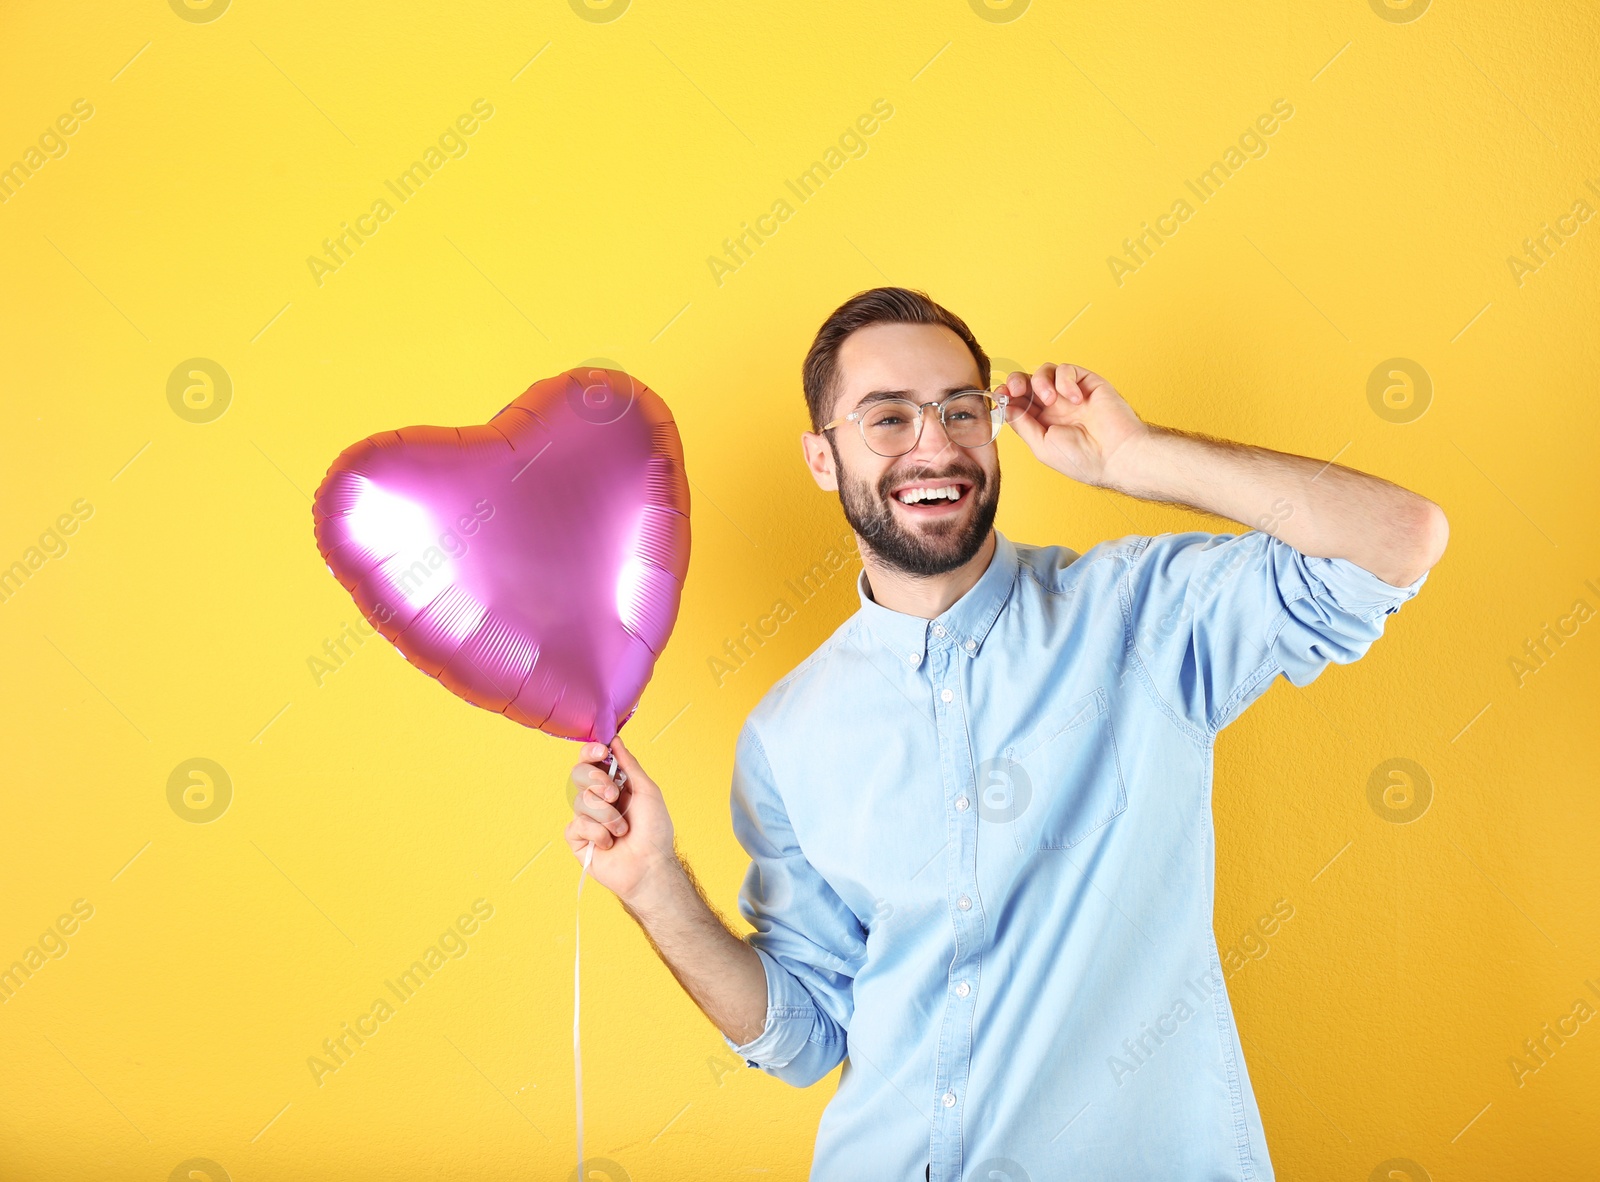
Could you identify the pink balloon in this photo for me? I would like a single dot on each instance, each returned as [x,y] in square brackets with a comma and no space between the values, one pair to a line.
[534,564]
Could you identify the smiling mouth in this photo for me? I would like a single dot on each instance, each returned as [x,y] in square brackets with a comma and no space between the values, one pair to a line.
[926,498]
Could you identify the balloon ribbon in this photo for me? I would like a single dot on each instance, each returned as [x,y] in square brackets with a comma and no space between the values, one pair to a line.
[619,779]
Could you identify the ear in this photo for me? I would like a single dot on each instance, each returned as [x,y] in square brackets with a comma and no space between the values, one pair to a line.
[819,460]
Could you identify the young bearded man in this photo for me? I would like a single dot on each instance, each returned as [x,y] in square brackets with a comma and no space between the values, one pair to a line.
[979,815]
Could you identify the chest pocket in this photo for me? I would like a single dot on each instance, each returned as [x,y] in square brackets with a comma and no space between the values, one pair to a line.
[1068,770]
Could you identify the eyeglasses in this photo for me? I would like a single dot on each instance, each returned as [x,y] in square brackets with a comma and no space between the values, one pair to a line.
[892,426]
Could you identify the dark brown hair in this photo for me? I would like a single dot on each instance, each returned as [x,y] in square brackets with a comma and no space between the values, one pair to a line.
[881,305]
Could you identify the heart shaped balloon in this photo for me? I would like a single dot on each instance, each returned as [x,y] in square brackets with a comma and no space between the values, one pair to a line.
[534,564]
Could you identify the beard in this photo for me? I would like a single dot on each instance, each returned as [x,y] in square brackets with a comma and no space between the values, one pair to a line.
[938,545]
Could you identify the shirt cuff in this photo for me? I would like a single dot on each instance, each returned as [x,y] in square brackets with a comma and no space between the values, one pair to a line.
[1356,589]
[790,1015]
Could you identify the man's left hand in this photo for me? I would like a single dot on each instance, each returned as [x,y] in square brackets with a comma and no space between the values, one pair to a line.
[1073,420]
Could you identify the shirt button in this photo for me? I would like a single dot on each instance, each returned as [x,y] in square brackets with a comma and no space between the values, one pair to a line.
[946,696]
[964,903]
[963,989]
[962,804]
[916,659]
[938,629]
[949,1099]
[971,644]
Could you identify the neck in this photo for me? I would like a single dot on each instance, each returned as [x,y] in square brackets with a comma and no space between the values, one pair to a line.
[926,596]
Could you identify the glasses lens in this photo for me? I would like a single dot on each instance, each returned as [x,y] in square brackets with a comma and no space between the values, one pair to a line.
[890,427]
[971,420]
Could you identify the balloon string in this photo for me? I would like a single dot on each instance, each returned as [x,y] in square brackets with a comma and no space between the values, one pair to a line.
[619,779]
[577,1049]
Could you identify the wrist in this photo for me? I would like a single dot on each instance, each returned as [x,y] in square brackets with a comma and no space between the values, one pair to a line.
[660,885]
[1132,469]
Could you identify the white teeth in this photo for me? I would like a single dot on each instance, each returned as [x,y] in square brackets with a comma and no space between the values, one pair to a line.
[915,496]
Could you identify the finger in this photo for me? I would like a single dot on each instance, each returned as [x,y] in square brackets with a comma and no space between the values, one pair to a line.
[575,840]
[1090,382]
[637,779]
[596,774]
[587,829]
[1029,429]
[1017,400]
[1044,384]
[587,775]
[589,804]
[1067,379]
[594,804]
[592,753]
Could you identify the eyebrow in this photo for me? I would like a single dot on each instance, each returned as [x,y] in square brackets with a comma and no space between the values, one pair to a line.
[908,395]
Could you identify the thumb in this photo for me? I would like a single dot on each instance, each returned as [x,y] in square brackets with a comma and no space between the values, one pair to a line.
[638,781]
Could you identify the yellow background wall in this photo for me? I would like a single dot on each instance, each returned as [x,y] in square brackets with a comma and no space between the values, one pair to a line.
[368,811]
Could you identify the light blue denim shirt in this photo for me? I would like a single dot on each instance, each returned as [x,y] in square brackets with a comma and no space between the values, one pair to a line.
[982,860]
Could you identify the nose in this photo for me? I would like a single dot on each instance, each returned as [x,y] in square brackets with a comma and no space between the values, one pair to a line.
[933,444]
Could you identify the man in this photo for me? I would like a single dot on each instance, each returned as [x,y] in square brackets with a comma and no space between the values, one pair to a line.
[978,816]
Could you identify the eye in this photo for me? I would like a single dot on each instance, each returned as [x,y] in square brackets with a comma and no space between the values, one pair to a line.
[966,407]
[889,415]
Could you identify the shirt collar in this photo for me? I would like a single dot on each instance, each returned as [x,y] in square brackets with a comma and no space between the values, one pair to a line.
[963,625]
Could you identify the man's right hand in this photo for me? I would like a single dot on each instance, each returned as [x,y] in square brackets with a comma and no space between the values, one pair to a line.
[629,826]
[634,858]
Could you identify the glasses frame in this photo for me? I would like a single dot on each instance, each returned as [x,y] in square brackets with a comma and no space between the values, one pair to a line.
[997,419]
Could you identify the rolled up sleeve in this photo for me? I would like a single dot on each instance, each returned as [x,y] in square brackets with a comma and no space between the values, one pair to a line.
[1216,617]
[810,943]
